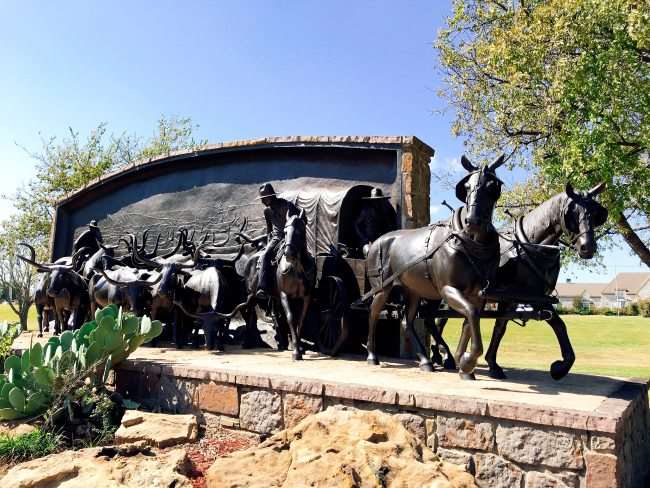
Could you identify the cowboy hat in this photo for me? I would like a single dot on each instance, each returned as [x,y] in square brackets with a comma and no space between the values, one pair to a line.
[376,194]
[266,190]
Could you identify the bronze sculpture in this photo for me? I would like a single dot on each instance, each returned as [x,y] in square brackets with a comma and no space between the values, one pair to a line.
[276,212]
[453,261]
[376,218]
[530,262]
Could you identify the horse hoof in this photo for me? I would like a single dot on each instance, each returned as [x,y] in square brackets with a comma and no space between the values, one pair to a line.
[39,335]
[428,367]
[497,373]
[467,364]
[559,370]
[467,376]
[373,361]
[296,357]
[449,364]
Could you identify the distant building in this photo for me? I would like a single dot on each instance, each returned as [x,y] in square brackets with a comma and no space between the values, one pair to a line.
[626,288]
[590,293]
[623,289]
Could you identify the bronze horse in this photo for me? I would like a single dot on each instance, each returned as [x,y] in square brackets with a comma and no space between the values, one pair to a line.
[453,261]
[527,263]
[293,284]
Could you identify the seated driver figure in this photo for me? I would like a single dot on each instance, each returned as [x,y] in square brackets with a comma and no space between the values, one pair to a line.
[377,217]
[275,215]
[92,238]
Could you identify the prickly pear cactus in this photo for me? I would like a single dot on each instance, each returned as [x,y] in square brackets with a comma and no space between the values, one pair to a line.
[30,382]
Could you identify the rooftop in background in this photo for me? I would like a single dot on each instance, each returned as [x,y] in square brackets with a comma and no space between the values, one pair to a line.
[577,289]
[630,282]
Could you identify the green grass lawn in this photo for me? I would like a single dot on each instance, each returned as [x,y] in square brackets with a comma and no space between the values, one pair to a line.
[615,346]
[608,345]
[7,314]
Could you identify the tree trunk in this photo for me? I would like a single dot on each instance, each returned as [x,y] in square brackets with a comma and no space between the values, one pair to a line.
[633,240]
[24,313]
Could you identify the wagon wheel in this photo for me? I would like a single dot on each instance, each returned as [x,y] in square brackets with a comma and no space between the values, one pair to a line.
[333,330]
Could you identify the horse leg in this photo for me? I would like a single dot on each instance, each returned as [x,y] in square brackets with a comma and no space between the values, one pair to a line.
[496,371]
[252,336]
[559,369]
[377,305]
[412,302]
[288,313]
[467,361]
[301,321]
[177,329]
[435,329]
[40,319]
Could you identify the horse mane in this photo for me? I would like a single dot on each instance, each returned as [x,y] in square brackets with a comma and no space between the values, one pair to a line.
[544,218]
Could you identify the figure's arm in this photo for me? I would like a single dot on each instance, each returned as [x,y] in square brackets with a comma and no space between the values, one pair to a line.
[269,224]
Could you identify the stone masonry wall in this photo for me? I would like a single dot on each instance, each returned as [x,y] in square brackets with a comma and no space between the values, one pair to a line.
[416,176]
[505,446]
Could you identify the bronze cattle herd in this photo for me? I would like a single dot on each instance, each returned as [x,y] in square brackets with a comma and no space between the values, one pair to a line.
[463,261]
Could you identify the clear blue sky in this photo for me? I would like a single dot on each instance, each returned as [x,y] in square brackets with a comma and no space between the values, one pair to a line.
[239,69]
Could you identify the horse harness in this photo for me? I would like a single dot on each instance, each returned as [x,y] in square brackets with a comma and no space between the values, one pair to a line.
[473,250]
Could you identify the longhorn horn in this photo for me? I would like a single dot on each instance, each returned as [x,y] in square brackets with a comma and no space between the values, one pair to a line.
[570,191]
[178,246]
[41,267]
[145,234]
[467,164]
[244,224]
[105,247]
[225,241]
[597,190]
[195,258]
[215,313]
[246,237]
[497,162]
[155,248]
[138,259]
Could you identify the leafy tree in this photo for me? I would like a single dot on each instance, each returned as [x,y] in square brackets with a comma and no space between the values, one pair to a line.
[64,166]
[563,87]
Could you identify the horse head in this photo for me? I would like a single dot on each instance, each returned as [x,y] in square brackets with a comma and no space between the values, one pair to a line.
[295,235]
[479,190]
[582,214]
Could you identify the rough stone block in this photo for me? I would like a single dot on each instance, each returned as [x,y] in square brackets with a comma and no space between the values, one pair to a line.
[464,432]
[156,429]
[177,395]
[529,445]
[495,472]
[602,470]
[414,424]
[260,411]
[430,425]
[297,407]
[603,443]
[218,398]
[543,480]
[407,162]
[454,456]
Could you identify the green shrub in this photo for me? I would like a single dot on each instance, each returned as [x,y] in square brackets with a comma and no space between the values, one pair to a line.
[632,308]
[8,332]
[46,376]
[28,446]
[644,307]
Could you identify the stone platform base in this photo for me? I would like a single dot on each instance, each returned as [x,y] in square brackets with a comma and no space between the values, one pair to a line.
[528,431]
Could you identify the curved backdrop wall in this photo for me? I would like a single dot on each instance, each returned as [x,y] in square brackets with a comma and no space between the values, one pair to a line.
[209,187]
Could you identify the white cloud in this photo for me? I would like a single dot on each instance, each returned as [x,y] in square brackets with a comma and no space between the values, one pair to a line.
[434,209]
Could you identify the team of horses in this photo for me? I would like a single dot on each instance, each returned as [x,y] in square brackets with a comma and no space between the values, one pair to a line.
[464,261]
